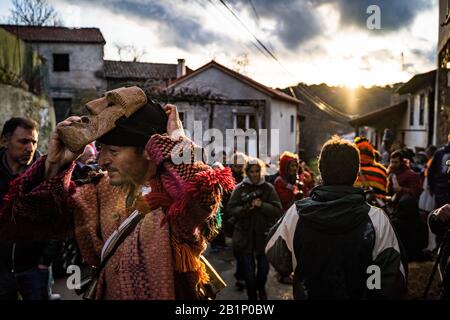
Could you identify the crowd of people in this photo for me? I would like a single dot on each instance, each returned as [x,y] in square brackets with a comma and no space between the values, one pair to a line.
[408,187]
[146,223]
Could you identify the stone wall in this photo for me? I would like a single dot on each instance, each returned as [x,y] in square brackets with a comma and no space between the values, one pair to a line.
[15,102]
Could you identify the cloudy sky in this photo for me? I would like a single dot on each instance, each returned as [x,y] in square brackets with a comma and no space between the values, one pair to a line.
[314,41]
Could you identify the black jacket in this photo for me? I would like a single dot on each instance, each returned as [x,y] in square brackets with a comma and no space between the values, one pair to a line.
[331,240]
[24,255]
[252,226]
[438,178]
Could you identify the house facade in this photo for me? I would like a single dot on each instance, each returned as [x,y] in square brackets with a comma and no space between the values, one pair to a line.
[214,96]
[74,59]
[410,117]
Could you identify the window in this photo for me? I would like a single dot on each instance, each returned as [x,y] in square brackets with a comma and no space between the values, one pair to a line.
[60,62]
[421,109]
[292,124]
[245,122]
[240,121]
[63,108]
[411,112]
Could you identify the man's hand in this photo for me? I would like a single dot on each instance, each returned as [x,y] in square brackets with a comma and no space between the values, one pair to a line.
[257,202]
[59,155]
[174,125]
[443,215]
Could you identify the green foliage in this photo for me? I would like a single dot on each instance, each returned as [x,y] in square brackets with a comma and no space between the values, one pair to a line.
[19,64]
[356,101]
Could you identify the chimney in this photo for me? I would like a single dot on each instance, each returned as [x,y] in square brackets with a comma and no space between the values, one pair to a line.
[181,68]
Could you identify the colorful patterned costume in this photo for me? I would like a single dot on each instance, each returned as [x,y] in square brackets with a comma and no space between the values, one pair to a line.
[372,173]
[160,258]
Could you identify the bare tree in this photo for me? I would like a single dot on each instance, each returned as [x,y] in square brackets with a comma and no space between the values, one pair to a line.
[135,53]
[34,13]
[121,49]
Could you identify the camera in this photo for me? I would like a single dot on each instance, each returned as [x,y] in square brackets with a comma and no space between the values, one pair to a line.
[248,197]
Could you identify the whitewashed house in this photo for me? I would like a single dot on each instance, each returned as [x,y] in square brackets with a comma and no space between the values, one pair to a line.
[74,59]
[215,96]
[410,117]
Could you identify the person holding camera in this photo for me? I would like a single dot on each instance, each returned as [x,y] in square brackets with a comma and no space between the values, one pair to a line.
[256,207]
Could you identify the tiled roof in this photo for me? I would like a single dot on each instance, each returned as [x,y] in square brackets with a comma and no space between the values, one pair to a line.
[377,115]
[271,92]
[139,70]
[419,81]
[56,34]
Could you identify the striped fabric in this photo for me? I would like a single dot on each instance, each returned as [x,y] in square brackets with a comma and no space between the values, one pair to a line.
[375,176]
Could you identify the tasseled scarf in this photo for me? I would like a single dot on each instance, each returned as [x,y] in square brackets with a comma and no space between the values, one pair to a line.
[179,189]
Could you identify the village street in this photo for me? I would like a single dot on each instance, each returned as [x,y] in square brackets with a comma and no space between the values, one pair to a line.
[224,263]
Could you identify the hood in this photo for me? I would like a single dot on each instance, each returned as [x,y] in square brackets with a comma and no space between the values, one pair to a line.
[334,209]
[246,180]
[366,151]
[285,161]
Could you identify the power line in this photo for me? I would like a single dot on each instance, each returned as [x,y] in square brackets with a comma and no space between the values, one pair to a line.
[253,43]
[269,52]
[249,31]
[258,21]
[254,11]
[312,97]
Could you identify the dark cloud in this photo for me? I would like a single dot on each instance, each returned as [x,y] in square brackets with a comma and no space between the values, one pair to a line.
[296,20]
[395,14]
[177,28]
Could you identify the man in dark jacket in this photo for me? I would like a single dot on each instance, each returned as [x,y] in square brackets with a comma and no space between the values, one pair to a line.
[338,246]
[439,222]
[24,266]
[402,179]
[256,207]
[411,229]
[439,177]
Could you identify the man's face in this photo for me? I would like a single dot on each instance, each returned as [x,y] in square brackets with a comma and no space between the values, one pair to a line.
[395,163]
[21,145]
[124,164]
